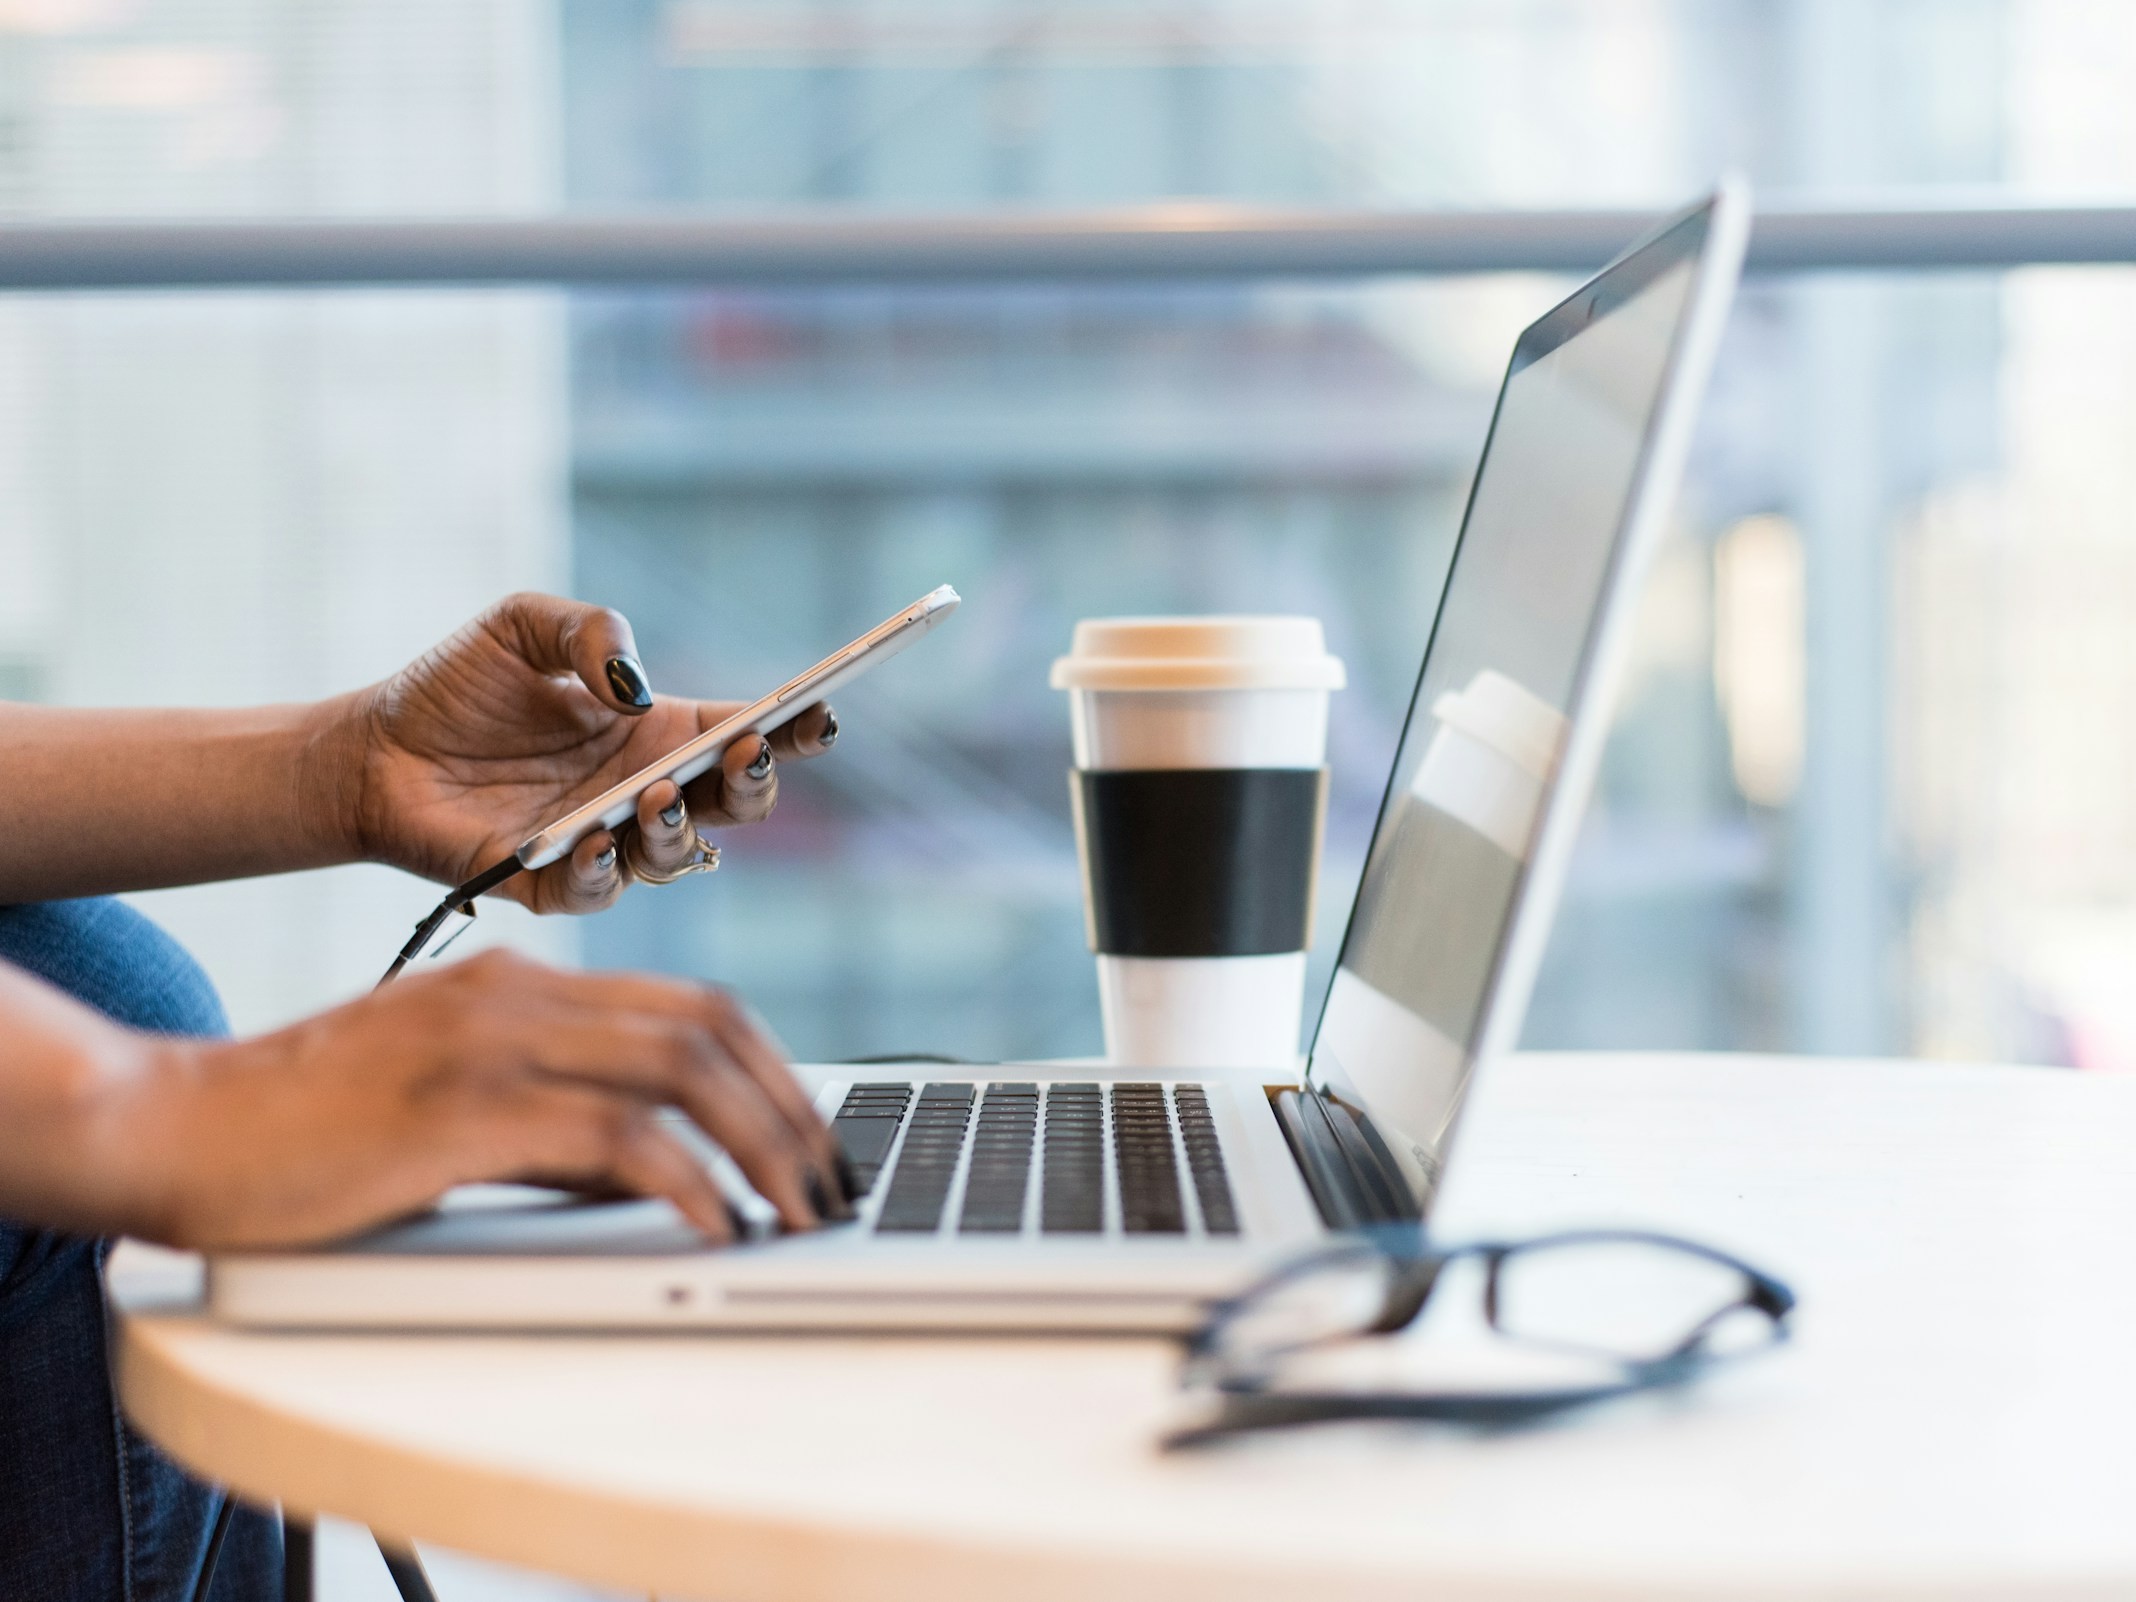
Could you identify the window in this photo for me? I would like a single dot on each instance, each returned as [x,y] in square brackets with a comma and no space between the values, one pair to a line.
[1869,789]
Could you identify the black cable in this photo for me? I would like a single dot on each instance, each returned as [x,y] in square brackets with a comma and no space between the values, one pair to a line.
[462,899]
[215,1546]
[892,1059]
[402,1564]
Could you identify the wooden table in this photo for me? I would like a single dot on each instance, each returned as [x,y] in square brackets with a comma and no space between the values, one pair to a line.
[1956,1417]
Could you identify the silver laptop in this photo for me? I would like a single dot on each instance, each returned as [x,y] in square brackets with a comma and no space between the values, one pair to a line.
[1056,1197]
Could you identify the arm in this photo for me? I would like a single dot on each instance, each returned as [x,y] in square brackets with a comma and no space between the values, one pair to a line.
[442,769]
[496,1068]
[100,801]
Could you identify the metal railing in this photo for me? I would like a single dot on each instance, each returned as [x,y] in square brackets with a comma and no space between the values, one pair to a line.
[1164,241]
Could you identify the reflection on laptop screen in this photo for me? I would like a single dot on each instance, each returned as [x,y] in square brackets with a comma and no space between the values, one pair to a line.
[1488,723]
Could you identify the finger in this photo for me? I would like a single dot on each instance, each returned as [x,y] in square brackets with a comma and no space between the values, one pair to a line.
[749,1045]
[598,1138]
[556,636]
[697,1049]
[679,1063]
[586,881]
[811,734]
[667,837]
[742,789]
[732,793]
[749,1040]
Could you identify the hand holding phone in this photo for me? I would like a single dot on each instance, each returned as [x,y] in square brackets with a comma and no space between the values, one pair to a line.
[686,762]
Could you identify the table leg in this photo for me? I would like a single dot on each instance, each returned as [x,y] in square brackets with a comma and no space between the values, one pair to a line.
[407,1571]
[296,1560]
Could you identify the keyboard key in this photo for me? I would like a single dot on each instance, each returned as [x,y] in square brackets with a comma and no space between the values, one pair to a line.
[865,1127]
[866,1141]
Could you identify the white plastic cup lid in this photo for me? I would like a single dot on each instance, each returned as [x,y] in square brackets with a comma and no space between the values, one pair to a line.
[1198,653]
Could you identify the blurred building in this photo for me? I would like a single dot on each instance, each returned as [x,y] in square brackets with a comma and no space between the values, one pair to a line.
[234,498]
[1060,453]
[1868,789]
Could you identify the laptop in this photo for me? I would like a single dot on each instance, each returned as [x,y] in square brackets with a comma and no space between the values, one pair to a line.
[1063,1197]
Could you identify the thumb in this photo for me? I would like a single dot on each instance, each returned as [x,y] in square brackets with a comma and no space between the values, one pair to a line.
[594,643]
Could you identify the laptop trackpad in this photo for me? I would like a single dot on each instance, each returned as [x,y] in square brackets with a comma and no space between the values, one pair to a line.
[525,1220]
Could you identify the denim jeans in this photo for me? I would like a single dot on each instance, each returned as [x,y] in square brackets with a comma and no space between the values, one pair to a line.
[89,1509]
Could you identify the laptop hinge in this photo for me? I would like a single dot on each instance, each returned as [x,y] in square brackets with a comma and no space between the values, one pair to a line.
[1347,1168]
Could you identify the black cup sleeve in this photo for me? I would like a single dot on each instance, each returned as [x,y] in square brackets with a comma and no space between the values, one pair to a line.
[1199,862]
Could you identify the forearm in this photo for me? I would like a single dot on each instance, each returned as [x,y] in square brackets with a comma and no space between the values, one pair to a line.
[65,1076]
[93,802]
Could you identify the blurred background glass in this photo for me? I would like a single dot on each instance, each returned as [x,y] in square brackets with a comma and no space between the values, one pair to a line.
[1870,788]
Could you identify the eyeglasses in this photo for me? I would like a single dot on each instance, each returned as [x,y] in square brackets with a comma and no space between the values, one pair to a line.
[1610,1312]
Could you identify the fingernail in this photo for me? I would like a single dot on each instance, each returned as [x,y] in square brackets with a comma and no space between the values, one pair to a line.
[762,765]
[841,1205]
[606,860]
[672,815]
[830,728]
[820,1199]
[627,679]
[848,1181]
[739,1220]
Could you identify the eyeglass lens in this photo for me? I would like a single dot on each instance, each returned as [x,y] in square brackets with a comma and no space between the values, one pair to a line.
[1631,1299]
[1338,1296]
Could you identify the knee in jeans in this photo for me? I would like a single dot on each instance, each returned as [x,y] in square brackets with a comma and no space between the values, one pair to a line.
[106,954]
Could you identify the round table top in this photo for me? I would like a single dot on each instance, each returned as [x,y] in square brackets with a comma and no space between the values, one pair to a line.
[1954,1414]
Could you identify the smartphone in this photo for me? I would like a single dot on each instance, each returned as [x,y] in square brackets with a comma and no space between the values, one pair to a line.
[784,704]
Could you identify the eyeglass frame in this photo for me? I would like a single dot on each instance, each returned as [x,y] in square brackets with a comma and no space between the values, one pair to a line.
[1248,1403]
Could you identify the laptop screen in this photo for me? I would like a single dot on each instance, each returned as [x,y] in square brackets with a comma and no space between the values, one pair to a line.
[1479,753]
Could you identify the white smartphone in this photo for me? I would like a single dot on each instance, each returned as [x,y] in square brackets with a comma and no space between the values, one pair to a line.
[787,702]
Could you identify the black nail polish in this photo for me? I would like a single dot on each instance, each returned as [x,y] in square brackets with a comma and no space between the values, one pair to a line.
[606,859]
[830,728]
[841,1204]
[672,815]
[762,765]
[627,679]
[819,1197]
[848,1181]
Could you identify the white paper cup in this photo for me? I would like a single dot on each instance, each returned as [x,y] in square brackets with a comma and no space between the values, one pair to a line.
[1200,786]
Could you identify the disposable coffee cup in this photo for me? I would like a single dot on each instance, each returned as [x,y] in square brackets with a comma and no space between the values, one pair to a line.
[1200,793]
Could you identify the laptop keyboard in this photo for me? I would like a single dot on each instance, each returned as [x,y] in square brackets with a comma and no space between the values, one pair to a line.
[1161,1140]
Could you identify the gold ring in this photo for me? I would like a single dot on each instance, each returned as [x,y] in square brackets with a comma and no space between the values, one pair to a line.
[706,861]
